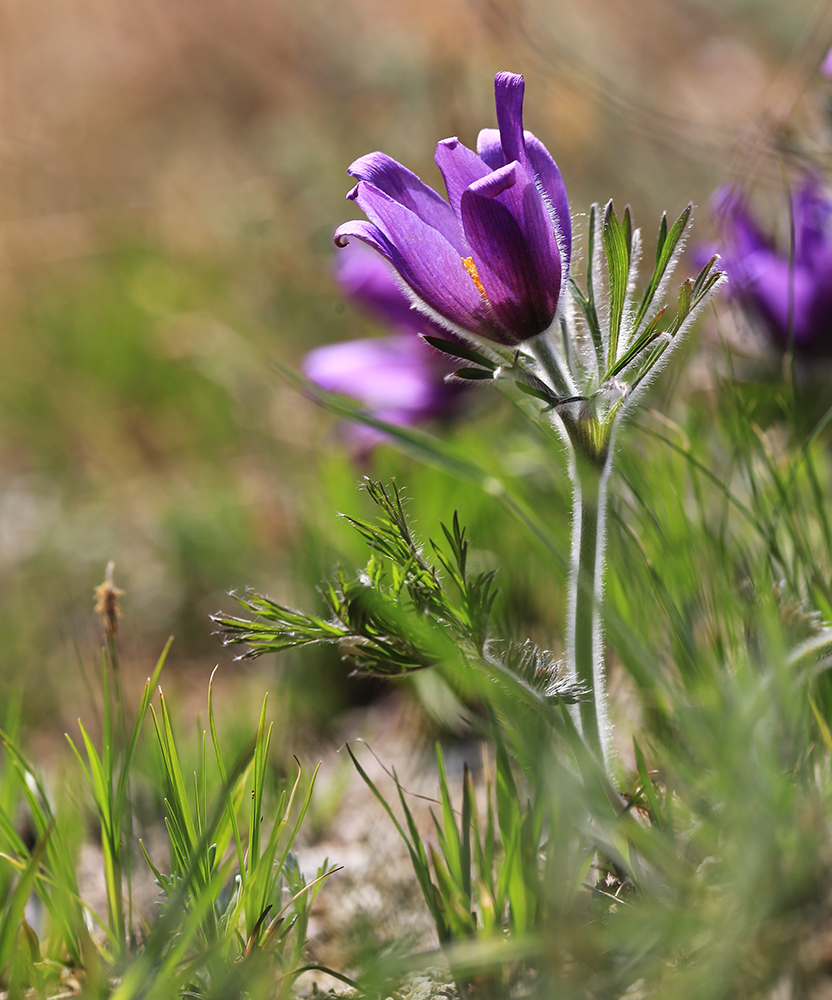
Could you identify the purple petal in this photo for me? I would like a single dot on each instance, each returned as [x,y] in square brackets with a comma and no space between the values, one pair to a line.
[398,380]
[368,233]
[407,189]
[811,210]
[387,373]
[367,280]
[782,294]
[549,179]
[508,94]
[826,65]
[731,212]
[426,261]
[490,149]
[514,248]
[460,167]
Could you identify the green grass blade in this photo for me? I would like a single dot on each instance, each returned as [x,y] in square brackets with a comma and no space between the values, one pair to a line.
[231,807]
[451,844]
[415,847]
[301,814]
[256,820]
[646,786]
[13,911]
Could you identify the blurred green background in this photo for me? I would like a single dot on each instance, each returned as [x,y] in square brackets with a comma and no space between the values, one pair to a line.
[171,175]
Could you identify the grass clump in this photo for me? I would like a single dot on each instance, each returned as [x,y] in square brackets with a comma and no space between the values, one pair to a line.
[234,906]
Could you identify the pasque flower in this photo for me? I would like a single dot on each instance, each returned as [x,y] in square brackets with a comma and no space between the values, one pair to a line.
[398,379]
[789,292]
[492,264]
[492,260]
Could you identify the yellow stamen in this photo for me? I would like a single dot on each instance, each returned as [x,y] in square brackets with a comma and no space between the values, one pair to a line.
[471,268]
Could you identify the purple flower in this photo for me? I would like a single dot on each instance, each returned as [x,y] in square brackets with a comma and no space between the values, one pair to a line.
[791,297]
[493,259]
[826,65]
[399,379]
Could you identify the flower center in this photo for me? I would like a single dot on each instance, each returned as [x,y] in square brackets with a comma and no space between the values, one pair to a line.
[471,268]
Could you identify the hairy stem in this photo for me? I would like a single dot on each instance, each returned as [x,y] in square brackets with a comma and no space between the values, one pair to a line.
[547,359]
[585,638]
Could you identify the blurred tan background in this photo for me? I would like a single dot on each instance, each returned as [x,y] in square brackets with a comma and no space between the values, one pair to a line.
[170,175]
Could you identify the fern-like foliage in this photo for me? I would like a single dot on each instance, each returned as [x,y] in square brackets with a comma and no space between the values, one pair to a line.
[402,612]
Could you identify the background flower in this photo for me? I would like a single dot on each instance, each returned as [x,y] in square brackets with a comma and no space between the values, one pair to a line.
[791,297]
[399,379]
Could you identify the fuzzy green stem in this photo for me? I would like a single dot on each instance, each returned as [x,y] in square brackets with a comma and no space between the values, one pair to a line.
[541,348]
[585,641]
[583,573]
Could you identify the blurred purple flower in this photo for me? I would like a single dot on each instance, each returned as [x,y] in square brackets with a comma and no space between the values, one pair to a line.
[787,295]
[399,379]
[826,65]
[493,259]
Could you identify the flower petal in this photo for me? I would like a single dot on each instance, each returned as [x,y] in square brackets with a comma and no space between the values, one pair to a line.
[550,181]
[424,259]
[398,380]
[390,373]
[508,94]
[460,167]
[780,294]
[490,149]
[731,211]
[368,281]
[811,210]
[366,232]
[514,248]
[405,187]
